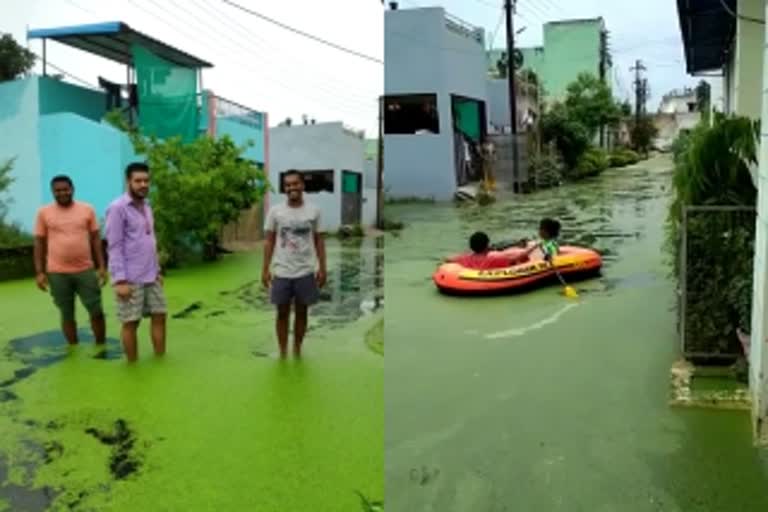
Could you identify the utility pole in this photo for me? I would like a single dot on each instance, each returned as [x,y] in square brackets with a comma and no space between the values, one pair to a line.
[509,8]
[603,65]
[380,168]
[640,90]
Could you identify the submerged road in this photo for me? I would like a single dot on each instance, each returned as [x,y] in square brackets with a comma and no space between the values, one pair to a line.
[538,403]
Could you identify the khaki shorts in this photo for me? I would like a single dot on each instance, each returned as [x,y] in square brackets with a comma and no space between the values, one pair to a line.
[64,288]
[145,300]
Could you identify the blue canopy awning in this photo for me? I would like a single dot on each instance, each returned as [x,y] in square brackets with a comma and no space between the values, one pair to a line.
[113,41]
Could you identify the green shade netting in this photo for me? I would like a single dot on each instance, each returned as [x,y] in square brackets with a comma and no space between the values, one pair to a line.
[167,96]
[467,114]
[350,183]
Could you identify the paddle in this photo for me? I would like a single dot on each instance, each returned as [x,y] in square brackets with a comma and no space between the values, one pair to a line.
[568,291]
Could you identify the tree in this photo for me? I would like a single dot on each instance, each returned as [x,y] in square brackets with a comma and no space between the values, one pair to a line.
[570,136]
[501,66]
[6,180]
[197,188]
[590,101]
[642,134]
[703,96]
[626,109]
[10,234]
[15,60]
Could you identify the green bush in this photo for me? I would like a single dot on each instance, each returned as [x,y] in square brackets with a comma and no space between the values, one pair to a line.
[593,163]
[712,167]
[546,170]
[570,136]
[623,158]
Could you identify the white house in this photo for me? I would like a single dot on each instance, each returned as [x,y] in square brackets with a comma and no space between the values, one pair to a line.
[434,80]
[332,159]
[679,102]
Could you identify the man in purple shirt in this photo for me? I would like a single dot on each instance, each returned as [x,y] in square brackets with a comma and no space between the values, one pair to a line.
[133,262]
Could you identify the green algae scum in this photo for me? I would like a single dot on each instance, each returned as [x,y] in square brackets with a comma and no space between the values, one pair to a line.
[538,403]
[219,423]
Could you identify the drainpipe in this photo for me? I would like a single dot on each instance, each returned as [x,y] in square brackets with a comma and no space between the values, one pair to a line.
[758,353]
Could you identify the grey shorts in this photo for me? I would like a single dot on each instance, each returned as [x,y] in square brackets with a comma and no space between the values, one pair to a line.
[64,288]
[301,290]
[146,300]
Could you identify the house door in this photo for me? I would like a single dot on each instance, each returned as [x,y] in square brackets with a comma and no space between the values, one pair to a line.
[351,198]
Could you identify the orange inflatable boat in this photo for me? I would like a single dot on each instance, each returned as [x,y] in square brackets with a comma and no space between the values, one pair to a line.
[573,263]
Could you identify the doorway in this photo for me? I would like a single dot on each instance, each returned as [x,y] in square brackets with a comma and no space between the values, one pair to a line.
[469,131]
[351,198]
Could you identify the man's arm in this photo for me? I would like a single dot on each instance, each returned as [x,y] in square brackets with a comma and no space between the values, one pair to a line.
[114,233]
[40,251]
[96,247]
[320,250]
[269,249]
[39,254]
[270,235]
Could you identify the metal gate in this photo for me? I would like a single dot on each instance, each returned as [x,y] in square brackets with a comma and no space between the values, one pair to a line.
[715,280]
[351,198]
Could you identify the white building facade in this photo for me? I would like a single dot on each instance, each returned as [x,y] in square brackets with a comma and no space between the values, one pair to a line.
[332,159]
[435,78]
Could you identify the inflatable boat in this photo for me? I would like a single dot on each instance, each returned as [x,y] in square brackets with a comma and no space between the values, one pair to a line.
[573,263]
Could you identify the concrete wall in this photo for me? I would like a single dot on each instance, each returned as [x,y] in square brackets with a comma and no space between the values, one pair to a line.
[750,38]
[322,146]
[423,56]
[57,97]
[19,138]
[758,356]
[498,103]
[93,154]
[240,132]
[570,48]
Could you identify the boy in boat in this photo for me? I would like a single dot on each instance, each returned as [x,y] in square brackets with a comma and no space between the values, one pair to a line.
[549,232]
[480,257]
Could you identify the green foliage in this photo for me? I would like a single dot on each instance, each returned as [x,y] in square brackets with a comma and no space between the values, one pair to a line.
[626,109]
[703,96]
[11,235]
[623,158]
[546,169]
[569,135]
[642,134]
[15,60]
[391,225]
[592,163]
[369,505]
[573,124]
[374,338]
[590,101]
[197,188]
[712,167]
[6,180]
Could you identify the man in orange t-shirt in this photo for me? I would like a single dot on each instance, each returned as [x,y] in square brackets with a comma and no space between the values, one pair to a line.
[67,240]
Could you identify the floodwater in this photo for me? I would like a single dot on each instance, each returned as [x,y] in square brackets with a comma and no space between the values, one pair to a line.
[219,423]
[535,402]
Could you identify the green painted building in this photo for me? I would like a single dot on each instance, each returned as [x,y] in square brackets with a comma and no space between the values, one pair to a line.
[570,47]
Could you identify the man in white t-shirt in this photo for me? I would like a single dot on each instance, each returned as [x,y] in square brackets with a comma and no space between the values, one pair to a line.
[294,260]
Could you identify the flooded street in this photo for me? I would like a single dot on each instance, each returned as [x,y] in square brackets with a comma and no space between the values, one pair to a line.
[535,402]
[219,424]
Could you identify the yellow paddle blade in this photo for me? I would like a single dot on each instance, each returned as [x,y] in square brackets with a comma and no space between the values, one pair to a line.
[570,292]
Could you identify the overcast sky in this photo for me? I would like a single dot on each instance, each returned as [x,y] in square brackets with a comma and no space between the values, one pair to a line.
[257,64]
[270,69]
